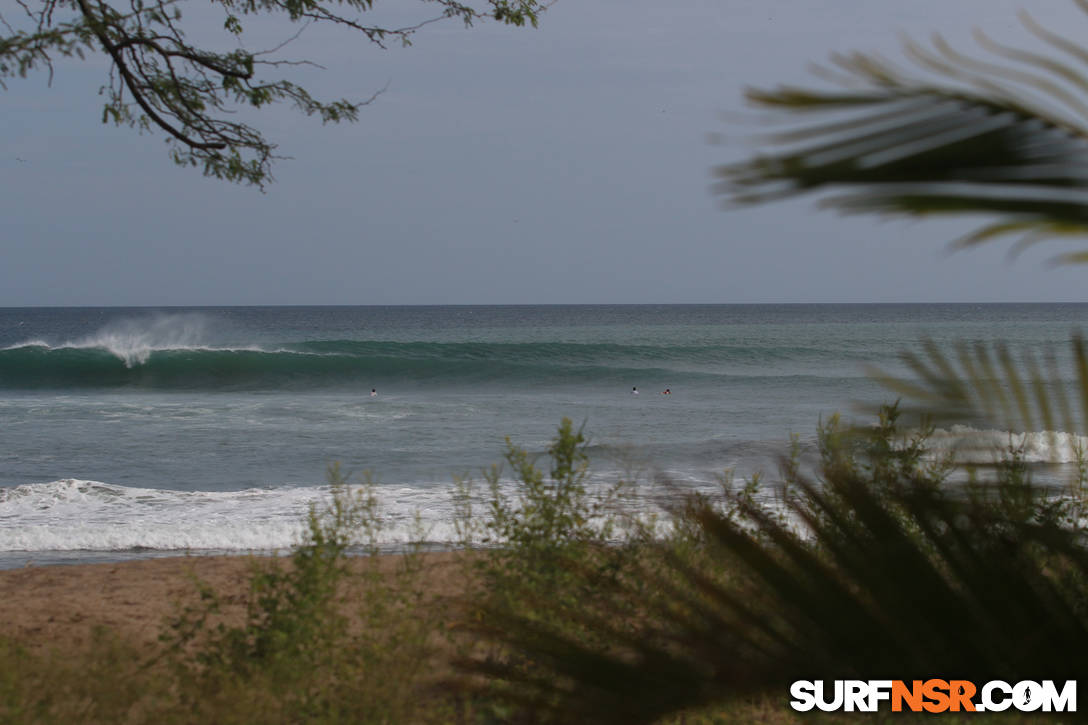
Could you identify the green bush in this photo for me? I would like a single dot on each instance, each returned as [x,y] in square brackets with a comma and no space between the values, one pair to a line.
[302,653]
[552,520]
[877,568]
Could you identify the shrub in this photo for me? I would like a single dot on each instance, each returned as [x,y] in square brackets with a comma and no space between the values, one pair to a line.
[302,653]
[879,570]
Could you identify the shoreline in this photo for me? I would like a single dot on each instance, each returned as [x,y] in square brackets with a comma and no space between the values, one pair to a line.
[14,560]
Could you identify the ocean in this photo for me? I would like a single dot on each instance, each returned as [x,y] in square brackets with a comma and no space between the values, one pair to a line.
[138,432]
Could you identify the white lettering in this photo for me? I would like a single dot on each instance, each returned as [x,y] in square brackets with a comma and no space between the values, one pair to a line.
[856,696]
[1027,696]
[878,690]
[994,704]
[1065,701]
[835,703]
[803,695]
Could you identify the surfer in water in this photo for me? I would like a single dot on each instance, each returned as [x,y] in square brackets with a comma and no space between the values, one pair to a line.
[634,391]
[373,392]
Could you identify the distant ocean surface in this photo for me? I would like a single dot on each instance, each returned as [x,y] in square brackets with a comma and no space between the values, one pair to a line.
[130,432]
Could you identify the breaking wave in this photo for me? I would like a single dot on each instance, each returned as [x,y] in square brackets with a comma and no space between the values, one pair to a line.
[123,362]
[80,515]
[971,445]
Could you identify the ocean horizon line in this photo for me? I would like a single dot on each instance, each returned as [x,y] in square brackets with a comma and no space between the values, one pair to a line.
[515,305]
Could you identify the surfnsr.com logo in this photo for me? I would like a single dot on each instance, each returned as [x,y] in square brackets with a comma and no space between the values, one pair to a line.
[933,696]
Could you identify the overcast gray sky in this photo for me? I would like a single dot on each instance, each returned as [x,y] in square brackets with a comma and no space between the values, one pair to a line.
[567,164]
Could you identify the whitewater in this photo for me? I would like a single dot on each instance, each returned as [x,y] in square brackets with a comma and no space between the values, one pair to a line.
[130,432]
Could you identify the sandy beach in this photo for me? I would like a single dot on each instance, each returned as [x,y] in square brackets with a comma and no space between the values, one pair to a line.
[59,607]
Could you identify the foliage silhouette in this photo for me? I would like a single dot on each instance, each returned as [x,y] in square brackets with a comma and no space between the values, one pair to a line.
[1004,136]
[192,91]
[878,572]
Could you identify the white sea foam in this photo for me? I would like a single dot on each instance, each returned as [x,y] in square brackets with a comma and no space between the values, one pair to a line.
[36,342]
[971,445]
[80,515]
[73,515]
[133,341]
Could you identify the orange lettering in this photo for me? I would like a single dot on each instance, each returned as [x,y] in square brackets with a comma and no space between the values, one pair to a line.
[912,696]
[937,692]
[961,692]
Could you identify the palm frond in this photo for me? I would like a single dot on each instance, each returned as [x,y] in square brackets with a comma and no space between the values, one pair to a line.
[990,386]
[1006,137]
[895,583]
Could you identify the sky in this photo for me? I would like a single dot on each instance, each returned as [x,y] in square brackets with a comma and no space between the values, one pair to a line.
[565,164]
